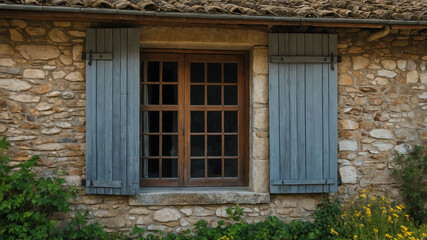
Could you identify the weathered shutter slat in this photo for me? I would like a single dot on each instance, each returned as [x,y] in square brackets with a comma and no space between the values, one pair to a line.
[108,104]
[283,101]
[294,117]
[317,113]
[116,108]
[303,112]
[273,71]
[309,112]
[123,105]
[91,115]
[325,117]
[301,130]
[112,160]
[133,110]
[333,118]
[100,110]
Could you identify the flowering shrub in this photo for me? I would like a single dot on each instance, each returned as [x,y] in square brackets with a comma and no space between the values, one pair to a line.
[374,217]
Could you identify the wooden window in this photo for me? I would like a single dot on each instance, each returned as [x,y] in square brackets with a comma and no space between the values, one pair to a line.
[193,119]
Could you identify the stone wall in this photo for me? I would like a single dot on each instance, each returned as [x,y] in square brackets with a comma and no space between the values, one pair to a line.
[382,105]
[382,108]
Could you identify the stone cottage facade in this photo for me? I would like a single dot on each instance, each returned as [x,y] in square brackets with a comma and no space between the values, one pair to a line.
[382,108]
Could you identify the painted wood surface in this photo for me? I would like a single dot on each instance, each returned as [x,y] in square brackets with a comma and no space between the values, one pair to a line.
[303,114]
[112,112]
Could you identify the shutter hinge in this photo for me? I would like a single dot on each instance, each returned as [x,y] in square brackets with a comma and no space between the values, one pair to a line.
[96,56]
[332,59]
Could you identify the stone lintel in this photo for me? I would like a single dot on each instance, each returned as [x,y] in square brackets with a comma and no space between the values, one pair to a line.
[202,196]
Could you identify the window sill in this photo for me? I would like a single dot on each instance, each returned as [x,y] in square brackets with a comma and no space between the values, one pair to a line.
[197,196]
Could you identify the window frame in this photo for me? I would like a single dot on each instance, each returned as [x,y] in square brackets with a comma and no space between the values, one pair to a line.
[184,160]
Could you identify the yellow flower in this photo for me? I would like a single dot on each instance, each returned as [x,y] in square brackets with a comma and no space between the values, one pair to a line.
[389,219]
[375,230]
[334,232]
[398,207]
[395,215]
[384,212]
[355,237]
[368,212]
[407,216]
[388,236]
[400,236]
[403,228]
[363,196]
[362,225]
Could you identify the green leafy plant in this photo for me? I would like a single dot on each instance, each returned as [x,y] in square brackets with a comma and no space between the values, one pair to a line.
[413,172]
[80,229]
[26,202]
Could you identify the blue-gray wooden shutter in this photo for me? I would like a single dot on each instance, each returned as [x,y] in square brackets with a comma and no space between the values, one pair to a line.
[303,113]
[112,111]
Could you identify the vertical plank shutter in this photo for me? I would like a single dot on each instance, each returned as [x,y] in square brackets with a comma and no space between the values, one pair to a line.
[112,111]
[303,112]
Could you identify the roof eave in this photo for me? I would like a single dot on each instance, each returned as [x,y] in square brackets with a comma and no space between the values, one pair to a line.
[224,18]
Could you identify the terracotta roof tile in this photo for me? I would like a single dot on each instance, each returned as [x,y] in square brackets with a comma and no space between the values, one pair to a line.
[361,9]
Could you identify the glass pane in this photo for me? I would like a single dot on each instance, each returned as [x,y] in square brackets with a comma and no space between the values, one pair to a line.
[230,145]
[150,122]
[170,94]
[230,72]
[170,145]
[197,72]
[230,95]
[153,70]
[230,168]
[214,168]
[170,121]
[197,168]
[151,145]
[197,121]
[230,121]
[150,94]
[170,72]
[214,95]
[142,168]
[214,72]
[169,168]
[142,73]
[152,168]
[197,95]
[197,145]
[214,145]
[214,121]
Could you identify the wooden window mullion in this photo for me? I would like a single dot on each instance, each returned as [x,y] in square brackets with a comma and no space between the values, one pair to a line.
[184,109]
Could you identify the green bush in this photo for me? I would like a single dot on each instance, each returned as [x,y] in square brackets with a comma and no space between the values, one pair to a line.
[413,172]
[27,202]
[79,228]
